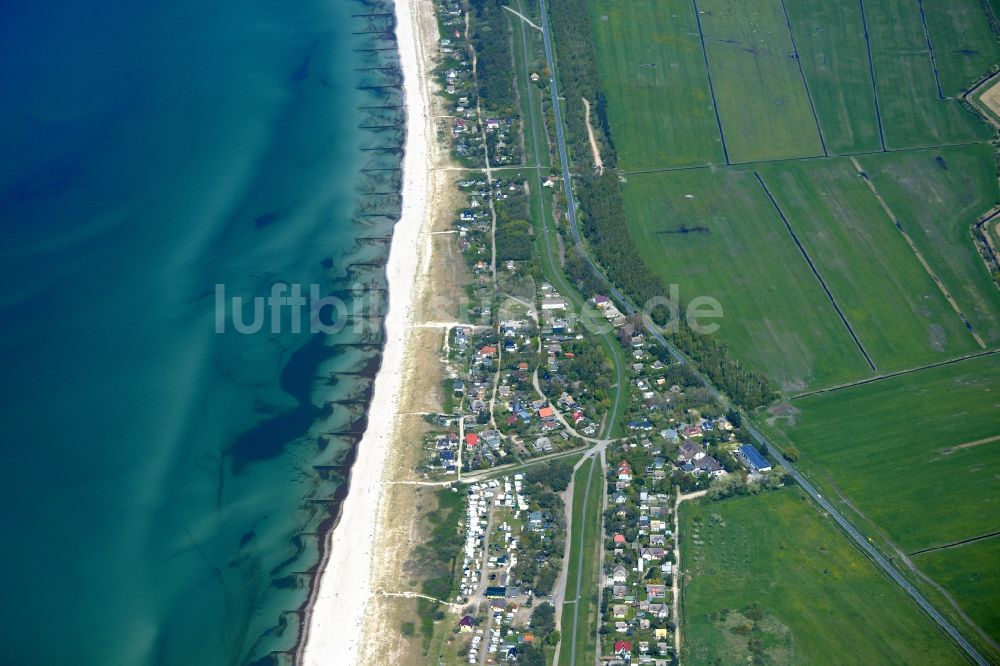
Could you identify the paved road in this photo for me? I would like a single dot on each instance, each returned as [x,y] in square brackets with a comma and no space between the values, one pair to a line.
[627,308]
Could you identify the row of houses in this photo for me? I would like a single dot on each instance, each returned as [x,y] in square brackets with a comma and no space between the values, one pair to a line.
[639,562]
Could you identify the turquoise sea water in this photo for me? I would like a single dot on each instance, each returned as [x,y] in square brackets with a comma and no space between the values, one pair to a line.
[158,505]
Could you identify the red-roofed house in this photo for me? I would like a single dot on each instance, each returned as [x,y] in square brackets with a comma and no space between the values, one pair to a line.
[546,413]
[619,539]
[623,647]
[624,471]
[472,440]
[488,351]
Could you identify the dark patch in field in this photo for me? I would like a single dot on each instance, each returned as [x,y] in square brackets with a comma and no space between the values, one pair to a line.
[684,229]
[940,162]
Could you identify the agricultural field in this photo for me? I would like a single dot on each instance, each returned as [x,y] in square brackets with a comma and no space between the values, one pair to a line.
[971,574]
[834,57]
[647,51]
[895,308]
[965,46]
[916,454]
[912,459]
[715,233]
[837,238]
[913,114]
[936,196]
[758,85]
[769,577]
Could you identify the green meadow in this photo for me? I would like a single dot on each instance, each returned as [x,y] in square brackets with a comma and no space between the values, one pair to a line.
[772,572]
[965,47]
[831,45]
[659,103]
[912,113]
[715,233]
[891,302]
[936,195]
[893,449]
[971,575]
[762,100]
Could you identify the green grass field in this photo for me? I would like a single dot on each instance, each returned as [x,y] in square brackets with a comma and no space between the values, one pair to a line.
[736,249]
[892,303]
[584,648]
[964,44]
[649,50]
[889,447]
[937,195]
[971,574]
[758,86]
[820,601]
[832,48]
[912,113]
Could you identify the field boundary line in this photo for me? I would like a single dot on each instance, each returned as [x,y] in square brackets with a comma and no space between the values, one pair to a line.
[816,272]
[805,83]
[871,71]
[898,373]
[930,50]
[916,251]
[972,97]
[991,15]
[803,158]
[955,544]
[711,86]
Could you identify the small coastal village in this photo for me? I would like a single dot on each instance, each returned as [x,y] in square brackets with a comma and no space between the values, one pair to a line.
[530,396]
[581,481]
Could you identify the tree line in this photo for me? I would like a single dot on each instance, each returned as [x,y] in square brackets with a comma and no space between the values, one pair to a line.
[490,37]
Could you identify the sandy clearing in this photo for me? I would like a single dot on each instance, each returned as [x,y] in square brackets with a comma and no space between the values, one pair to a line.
[593,140]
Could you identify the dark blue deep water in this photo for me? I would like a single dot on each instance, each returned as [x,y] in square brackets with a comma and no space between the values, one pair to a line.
[158,476]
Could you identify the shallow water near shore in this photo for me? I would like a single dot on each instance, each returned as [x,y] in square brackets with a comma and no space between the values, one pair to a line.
[167,485]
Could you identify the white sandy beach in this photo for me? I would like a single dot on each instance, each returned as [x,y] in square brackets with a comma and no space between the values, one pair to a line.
[334,623]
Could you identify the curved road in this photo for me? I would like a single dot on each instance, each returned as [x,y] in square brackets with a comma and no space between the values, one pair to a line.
[626,307]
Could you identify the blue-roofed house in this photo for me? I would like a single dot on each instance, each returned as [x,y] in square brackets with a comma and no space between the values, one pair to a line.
[753,459]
